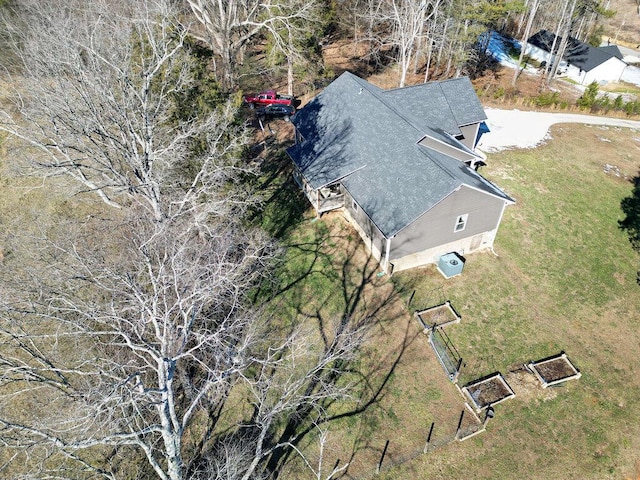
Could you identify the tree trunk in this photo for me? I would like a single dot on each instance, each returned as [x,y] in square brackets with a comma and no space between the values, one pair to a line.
[289,75]
[171,432]
[523,44]
[553,57]
[565,40]
[416,57]
[442,42]
[428,66]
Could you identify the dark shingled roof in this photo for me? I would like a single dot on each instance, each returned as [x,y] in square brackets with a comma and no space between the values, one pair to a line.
[577,53]
[367,138]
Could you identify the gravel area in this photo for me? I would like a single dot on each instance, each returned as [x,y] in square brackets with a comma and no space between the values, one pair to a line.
[525,129]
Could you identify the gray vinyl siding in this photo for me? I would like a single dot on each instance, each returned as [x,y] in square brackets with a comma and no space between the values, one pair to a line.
[470,133]
[365,223]
[446,149]
[436,227]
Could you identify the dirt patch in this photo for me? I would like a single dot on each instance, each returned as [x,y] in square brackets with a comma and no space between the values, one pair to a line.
[527,387]
[624,26]
[345,55]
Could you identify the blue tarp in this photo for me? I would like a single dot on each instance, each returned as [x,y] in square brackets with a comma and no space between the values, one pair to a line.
[484,128]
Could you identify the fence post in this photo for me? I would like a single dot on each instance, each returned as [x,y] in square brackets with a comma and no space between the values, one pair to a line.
[384,451]
[459,425]
[426,445]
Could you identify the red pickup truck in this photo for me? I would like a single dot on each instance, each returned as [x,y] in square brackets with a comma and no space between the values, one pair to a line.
[268,97]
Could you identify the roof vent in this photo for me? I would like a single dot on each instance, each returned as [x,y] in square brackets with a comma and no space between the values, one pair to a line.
[360,92]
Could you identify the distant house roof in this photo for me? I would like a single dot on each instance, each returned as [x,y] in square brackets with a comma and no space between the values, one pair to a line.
[577,53]
[613,51]
[367,138]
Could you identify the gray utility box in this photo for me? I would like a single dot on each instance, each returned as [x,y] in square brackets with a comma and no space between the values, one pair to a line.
[450,265]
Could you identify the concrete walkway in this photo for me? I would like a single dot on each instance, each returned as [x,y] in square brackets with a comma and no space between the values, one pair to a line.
[524,129]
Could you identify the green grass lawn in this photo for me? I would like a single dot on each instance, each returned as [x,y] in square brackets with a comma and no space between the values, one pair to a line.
[563,279]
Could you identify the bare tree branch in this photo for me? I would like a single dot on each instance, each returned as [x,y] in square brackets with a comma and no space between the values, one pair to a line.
[96,99]
[230,25]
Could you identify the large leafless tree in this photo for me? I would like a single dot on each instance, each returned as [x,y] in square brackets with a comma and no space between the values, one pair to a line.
[145,353]
[130,346]
[96,98]
[232,24]
[409,29]
[132,339]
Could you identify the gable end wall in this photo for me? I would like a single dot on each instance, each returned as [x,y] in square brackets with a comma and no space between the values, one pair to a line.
[470,133]
[434,231]
[446,149]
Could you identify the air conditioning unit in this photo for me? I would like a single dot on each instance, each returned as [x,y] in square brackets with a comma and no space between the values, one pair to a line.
[450,265]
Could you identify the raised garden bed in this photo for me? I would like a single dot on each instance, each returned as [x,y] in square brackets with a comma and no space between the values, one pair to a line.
[487,391]
[438,316]
[554,370]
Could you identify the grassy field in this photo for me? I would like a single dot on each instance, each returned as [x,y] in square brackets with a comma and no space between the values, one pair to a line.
[563,279]
[621,87]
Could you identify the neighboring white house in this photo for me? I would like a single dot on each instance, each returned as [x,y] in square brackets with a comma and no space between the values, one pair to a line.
[581,62]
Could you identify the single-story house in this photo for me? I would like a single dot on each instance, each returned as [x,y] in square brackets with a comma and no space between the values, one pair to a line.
[401,166]
[581,62]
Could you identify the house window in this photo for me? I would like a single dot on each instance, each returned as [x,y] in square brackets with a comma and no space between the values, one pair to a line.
[461,222]
[354,205]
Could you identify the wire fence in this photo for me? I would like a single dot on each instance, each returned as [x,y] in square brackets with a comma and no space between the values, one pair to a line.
[468,425]
[446,352]
[440,434]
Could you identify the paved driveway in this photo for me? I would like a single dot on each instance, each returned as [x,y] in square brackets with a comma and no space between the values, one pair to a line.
[525,129]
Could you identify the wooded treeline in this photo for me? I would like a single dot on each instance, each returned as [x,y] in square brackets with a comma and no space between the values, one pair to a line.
[438,38]
[435,38]
[139,339]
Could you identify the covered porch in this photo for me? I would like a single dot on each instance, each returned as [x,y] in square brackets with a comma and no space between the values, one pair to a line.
[323,199]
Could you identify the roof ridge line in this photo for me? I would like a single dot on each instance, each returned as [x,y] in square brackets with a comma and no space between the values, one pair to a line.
[379,97]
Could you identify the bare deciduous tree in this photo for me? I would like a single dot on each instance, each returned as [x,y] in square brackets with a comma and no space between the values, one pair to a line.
[409,19]
[132,347]
[532,10]
[232,24]
[96,99]
[144,349]
[398,26]
[131,338]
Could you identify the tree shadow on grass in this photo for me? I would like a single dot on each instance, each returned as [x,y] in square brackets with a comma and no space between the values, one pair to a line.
[330,284]
[336,286]
[375,386]
[630,224]
[283,204]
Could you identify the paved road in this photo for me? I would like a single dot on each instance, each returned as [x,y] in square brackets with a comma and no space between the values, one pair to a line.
[626,51]
[525,129]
